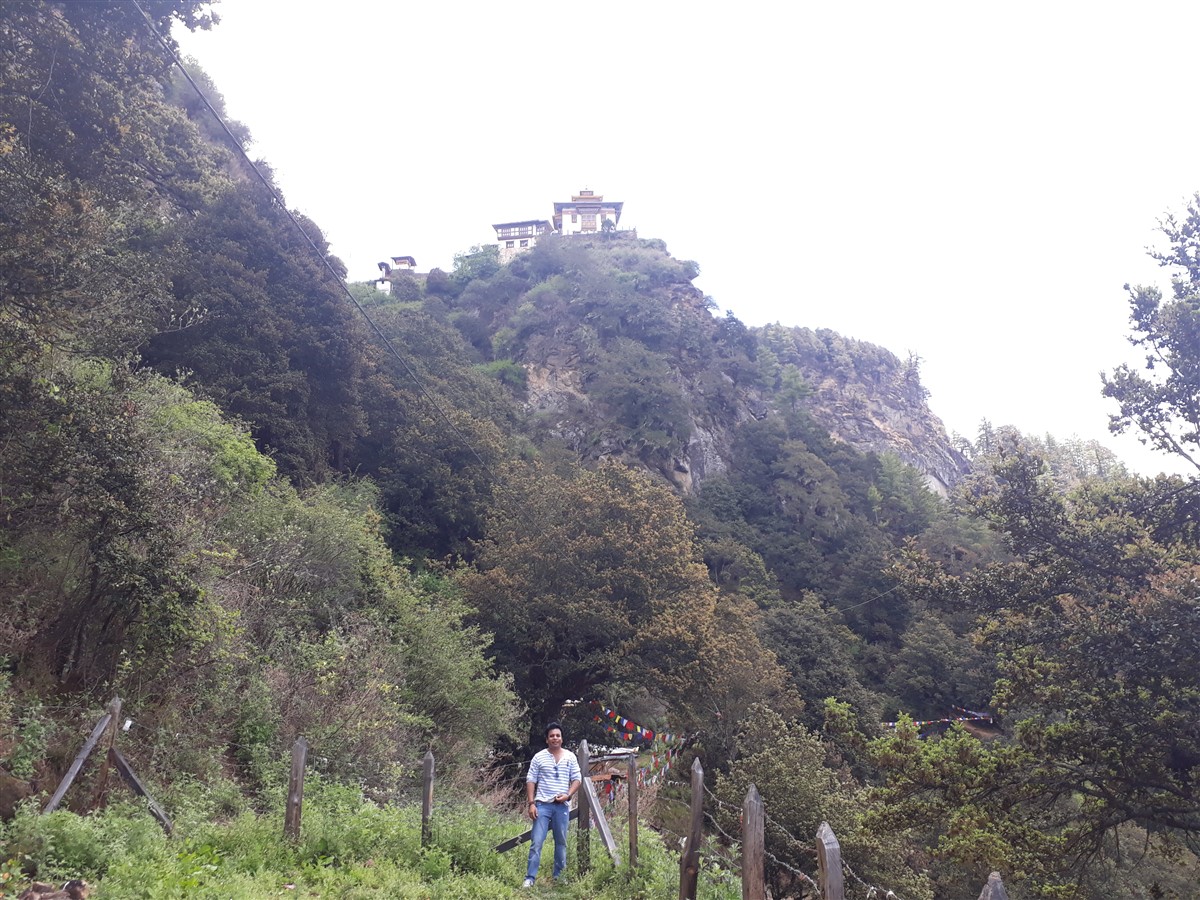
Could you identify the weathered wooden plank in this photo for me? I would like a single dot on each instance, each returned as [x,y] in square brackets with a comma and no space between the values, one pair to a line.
[88,746]
[754,859]
[505,846]
[829,864]
[295,798]
[583,852]
[689,862]
[606,837]
[109,741]
[632,787]
[427,800]
[127,774]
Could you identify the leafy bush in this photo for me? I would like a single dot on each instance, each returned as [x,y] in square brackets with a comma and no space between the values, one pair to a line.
[507,373]
[349,848]
[33,734]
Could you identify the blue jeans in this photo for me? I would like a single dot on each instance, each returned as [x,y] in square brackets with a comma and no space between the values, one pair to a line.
[550,816]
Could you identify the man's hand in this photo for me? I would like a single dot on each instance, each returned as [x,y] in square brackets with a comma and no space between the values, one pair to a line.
[531,811]
[561,798]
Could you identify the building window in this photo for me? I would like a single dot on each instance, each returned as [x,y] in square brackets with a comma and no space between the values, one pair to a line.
[508,245]
[589,222]
[524,243]
[574,217]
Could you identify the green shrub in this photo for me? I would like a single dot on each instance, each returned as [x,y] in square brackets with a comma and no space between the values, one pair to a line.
[507,373]
[349,848]
[33,734]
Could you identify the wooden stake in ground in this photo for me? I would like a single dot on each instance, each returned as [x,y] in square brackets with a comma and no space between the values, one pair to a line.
[632,787]
[829,864]
[754,860]
[427,799]
[295,798]
[597,812]
[126,773]
[583,851]
[109,741]
[88,746]
[689,863]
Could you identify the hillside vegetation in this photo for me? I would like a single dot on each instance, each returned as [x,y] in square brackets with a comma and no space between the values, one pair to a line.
[223,499]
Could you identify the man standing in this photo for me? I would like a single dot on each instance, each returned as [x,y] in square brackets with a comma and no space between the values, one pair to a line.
[552,781]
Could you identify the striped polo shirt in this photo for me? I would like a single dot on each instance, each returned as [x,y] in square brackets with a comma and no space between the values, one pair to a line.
[552,778]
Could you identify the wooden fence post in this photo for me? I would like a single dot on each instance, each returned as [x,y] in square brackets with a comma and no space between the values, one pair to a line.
[689,863]
[77,764]
[126,772]
[427,800]
[632,787]
[601,823]
[295,798]
[754,859]
[829,864]
[109,740]
[583,852]
[994,889]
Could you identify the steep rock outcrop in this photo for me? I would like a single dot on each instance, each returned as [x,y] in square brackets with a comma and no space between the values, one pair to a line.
[883,410]
[624,357]
[867,397]
[891,422]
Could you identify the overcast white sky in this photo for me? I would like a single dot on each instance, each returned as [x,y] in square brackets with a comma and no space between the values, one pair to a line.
[972,182]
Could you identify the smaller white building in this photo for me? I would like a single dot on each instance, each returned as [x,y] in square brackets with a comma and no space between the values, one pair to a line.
[387,271]
[513,237]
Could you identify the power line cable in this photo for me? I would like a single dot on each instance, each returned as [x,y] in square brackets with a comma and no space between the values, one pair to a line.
[865,602]
[320,255]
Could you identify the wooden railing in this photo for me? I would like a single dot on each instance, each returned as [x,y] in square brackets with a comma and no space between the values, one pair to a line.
[831,868]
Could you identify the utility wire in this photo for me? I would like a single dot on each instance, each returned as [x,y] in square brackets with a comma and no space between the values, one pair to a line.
[865,602]
[317,250]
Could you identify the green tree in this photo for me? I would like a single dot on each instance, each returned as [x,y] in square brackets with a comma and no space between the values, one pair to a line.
[797,775]
[338,643]
[588,580]
[818,651]
[481,261]
[278,346]
[111,482]
[592,581]
[91,182]
[1163,403]
[1088,624]
[434,469]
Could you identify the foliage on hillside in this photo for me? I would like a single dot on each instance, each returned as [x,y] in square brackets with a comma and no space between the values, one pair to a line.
[567,479]
[350,847]
[593,588]
[147,545]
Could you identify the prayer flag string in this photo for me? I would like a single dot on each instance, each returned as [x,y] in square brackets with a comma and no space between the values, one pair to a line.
[968,716]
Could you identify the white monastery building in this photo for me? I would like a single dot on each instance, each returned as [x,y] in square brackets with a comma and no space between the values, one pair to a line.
[586,213]
[513,237]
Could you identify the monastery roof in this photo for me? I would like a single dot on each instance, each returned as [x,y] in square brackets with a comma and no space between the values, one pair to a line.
[545,222]
[589,203]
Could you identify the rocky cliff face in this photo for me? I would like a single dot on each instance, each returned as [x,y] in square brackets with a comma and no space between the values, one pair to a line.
[891,423]
[862,394]
[624,357]
[867,397]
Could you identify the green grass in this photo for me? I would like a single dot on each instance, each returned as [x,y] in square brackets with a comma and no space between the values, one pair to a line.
[349,848]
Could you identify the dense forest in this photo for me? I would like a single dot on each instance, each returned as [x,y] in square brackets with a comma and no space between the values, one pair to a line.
[257,502]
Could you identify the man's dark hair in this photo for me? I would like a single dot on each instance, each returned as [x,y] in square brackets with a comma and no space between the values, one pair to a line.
[550,727]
